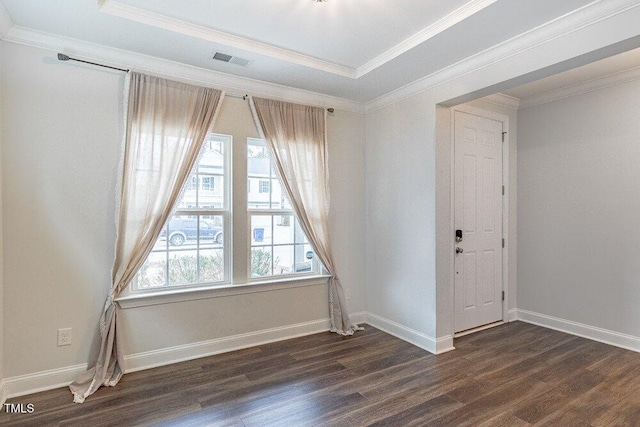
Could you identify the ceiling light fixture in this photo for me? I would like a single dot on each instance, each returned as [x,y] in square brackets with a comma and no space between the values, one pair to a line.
[319,1]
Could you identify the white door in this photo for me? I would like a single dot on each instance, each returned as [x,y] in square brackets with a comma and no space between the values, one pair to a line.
[478,215]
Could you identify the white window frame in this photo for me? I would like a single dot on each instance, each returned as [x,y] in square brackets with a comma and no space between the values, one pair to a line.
[238,280]
[225,213]
[316,268]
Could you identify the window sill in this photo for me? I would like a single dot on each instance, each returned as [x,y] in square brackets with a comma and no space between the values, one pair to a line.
[143,299]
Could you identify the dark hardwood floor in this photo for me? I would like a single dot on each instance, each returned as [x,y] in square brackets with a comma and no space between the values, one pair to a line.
[512,375]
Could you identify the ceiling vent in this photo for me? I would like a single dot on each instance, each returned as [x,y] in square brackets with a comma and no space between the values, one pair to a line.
[219,56]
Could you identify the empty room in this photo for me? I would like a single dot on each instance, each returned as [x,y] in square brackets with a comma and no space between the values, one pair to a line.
[319,212]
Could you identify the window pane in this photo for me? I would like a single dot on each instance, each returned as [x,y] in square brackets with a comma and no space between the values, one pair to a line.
[263,186]
[283,230]
[299,234]
[206,185]
[211,265]
[153,273]
[261,262]
[183,267]
[191,247]
[283,260]
[210,231]
[261,230]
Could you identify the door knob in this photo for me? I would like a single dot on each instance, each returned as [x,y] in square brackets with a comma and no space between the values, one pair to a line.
[459,250]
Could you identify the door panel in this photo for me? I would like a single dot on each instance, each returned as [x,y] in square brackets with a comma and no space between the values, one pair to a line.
[478,213]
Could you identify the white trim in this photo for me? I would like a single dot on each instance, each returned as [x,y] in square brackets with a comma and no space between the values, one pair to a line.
[504,119]
[409,335]
[444,344]
[3,393]
[148,17]
[587,86]
[359,317]
[502,100]
[5,21]
[158,20]
[441,25]
[594,333]
[42,381]
[181,353]
[175,70]
[513,315]
[142,298]
[578,19]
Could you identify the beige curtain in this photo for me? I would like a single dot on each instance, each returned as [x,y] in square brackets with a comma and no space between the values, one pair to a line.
[166,124]
[296,137]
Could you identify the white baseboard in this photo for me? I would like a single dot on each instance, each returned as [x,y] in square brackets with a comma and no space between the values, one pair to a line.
[606,336]
[62,377]
[3,393]
[513,315]
[410,335]
[41,381]
[444,344]
[181,353]
[360,317]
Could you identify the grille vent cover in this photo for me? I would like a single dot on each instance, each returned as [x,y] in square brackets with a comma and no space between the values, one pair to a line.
[219,56]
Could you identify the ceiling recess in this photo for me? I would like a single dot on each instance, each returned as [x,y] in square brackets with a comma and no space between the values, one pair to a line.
[219,56]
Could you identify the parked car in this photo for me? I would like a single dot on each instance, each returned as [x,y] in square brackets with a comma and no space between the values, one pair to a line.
[183,229]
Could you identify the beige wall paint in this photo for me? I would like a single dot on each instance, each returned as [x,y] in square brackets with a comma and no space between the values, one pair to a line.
[63,136]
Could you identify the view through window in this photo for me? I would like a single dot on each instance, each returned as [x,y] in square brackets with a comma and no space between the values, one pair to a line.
[195,246]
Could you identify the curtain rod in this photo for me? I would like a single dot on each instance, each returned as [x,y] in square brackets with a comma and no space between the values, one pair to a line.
[63,57]
[245,97]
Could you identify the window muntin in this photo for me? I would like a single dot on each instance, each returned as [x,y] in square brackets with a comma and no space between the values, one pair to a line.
[278,244]
[193,247]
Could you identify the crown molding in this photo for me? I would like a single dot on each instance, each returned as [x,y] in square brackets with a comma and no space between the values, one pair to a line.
[578,19]
[431,31]
[175,70]
[502,100]
[147,17]
[154,19]
[587,86]
[5,21]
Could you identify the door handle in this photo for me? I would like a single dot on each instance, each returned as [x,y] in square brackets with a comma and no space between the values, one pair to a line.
[459,250]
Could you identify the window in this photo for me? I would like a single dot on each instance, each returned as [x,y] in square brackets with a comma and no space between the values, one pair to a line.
[208,183]
[264,186]
[278,244]
[195,246]
[192,248]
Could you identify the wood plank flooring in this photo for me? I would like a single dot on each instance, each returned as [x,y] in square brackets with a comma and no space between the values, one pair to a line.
[512,375]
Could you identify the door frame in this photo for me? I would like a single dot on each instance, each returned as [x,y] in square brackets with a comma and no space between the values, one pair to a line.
[504,119]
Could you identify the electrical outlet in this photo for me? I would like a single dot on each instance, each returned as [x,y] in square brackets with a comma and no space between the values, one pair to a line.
[64,337]
[347,293]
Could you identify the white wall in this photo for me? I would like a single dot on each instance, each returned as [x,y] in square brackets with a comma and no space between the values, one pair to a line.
[63,134]
[579,204]
[401,165]
[401,214]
